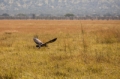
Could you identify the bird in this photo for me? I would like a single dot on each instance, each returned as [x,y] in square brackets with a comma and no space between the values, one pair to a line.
[40,44]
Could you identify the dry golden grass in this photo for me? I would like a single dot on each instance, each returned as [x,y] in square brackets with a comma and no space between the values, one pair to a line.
[84,49]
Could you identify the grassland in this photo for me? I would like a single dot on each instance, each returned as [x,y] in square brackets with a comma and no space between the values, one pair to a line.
[84,49]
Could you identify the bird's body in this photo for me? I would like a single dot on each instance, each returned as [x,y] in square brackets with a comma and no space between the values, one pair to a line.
[41,44]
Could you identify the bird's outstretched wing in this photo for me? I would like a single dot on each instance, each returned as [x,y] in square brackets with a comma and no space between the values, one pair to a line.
[37,41]
[51,41]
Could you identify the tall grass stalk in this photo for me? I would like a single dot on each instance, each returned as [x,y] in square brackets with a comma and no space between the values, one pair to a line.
[84,53]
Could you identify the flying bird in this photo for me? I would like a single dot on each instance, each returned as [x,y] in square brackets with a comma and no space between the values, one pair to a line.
[41,44]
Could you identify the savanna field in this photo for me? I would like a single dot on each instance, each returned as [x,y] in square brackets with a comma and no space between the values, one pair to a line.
[83,50]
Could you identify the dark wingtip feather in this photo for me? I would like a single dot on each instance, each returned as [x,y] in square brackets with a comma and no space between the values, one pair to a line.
[54,39]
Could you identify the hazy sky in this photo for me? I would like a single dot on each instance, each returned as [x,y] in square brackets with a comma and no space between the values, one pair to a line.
[60,6]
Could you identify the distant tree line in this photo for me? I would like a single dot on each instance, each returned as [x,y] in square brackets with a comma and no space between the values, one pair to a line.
[67,16]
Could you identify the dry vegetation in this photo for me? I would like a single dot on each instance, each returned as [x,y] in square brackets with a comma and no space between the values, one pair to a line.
[84,49]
